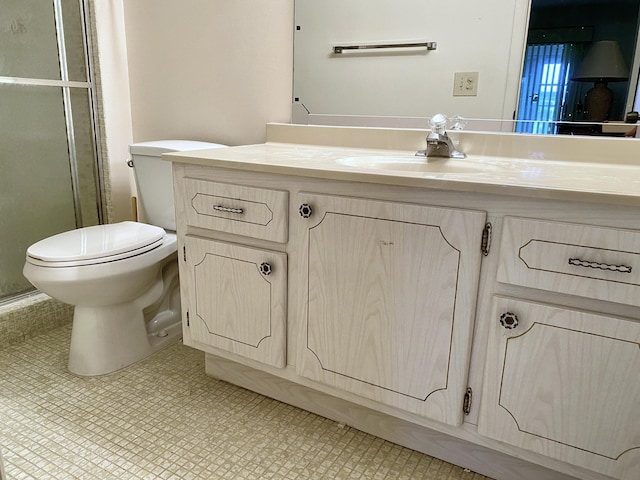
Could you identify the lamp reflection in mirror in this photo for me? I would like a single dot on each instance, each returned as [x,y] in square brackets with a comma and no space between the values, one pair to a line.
[604,63]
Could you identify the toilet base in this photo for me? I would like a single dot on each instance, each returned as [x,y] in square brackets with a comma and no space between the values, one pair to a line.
[107,339]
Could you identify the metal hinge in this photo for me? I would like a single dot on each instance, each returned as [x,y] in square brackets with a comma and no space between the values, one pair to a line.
[486,239]
[468,398]
[188,324]
[184,253]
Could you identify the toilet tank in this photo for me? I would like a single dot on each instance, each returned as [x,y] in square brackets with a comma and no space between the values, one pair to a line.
[154,179]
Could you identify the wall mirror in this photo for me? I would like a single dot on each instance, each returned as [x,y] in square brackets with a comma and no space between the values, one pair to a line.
[503,65]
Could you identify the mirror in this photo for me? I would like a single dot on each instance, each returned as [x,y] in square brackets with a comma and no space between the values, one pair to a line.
[459,57]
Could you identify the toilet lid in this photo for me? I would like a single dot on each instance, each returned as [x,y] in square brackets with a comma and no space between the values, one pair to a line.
[97,242]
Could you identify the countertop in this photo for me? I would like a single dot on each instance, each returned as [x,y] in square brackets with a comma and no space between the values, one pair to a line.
[584,181]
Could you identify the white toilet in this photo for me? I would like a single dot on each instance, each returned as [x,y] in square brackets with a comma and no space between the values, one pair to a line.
[122,278]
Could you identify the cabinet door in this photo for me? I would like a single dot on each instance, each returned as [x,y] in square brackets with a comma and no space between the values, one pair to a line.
[390,291]
[236,299]
[564,383]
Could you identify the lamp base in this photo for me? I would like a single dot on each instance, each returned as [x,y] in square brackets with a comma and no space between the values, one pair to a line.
[598,102]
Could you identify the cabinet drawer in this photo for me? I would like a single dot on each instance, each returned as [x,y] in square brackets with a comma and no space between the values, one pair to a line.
[249,211]
[595,262]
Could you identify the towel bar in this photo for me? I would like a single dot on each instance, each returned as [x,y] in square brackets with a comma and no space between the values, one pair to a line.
[337,49]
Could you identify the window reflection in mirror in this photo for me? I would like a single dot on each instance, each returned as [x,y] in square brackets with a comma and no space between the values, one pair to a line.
[578,67]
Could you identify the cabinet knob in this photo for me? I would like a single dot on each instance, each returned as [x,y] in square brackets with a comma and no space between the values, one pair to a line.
[265,268]
[305,210]
[509,320]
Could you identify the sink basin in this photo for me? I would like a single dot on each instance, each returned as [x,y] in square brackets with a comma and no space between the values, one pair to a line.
[415,164]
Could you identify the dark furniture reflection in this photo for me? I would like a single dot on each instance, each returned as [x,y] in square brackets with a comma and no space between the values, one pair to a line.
[617,129]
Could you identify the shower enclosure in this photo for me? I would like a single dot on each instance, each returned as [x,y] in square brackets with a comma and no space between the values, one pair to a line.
[49,175]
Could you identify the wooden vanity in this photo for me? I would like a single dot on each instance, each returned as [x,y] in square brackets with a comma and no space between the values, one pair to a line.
[484,312]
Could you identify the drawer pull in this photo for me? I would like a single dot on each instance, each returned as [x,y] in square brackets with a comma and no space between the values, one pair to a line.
[486,239]
[509,320]
[265,268]
[305,210]
[602,266]
[222,208]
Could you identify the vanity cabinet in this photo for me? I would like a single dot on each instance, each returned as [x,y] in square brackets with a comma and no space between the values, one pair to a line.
[559,381]
[379,298]
[389,295]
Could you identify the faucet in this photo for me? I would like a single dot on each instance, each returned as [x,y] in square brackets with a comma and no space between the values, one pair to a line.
[438,142]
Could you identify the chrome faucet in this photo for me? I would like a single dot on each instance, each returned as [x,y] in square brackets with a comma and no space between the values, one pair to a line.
[438,142]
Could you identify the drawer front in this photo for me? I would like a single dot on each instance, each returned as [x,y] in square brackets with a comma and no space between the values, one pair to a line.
[249,211]
[595,262]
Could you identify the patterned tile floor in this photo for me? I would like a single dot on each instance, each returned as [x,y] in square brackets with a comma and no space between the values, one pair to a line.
[163,418]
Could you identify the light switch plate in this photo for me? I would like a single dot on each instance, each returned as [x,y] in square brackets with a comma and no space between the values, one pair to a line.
[465,84]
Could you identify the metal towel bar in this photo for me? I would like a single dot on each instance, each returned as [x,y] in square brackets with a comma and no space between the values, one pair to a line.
[337,49]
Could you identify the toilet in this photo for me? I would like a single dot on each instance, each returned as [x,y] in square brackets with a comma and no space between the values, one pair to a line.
[121,278]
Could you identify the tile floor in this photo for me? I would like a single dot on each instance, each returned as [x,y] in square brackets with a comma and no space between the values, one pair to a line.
[163,418]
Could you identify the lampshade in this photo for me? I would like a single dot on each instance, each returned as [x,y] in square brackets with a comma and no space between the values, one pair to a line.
[604,61]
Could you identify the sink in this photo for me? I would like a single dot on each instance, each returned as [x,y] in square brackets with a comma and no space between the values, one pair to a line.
[415,164]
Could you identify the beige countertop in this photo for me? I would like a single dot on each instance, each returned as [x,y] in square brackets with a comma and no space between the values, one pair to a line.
[547,175]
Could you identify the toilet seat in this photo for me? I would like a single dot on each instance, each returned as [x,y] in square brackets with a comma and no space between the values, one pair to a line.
[97,244]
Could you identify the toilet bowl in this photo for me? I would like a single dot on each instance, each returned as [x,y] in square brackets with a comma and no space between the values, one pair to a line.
[121,278]
[128,268]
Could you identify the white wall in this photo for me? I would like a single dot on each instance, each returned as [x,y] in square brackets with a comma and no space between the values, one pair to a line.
[116,132]
[212,70]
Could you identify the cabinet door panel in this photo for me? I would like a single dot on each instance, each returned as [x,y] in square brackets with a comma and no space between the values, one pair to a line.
[233,305]
[390,302]
[565,383]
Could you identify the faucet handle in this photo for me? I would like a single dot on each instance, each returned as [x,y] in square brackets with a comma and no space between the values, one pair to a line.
[438,123]
[458,122]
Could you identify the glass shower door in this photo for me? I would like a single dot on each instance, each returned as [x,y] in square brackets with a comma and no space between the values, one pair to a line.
[48,163]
